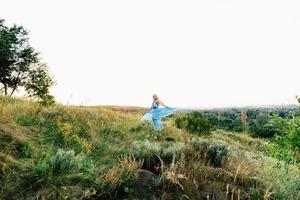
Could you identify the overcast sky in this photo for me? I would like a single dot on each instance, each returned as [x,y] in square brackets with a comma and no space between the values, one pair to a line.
[191,53]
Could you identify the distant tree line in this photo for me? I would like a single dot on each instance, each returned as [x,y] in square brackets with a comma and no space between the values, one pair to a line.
[281,125]
[258,121]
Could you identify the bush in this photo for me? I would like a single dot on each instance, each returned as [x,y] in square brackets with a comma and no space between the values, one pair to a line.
[141,149]
[54,172]
[146,151]
[172,151]
[278,152]
[286,141]
[181,121]
[193,122]
[62,162]
[265,126]
[149,152]
[215,151]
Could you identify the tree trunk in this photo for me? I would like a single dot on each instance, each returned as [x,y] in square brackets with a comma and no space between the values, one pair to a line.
[5,89]
[13,90]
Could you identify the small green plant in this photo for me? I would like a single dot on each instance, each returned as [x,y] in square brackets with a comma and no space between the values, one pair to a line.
[25,150]
[27,121]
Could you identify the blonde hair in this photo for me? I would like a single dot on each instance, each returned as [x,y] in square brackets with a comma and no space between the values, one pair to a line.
[155,96]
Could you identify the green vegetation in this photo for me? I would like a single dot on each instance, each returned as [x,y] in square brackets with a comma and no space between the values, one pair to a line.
[258,121]
[69,152]
[20,65]
[193,122]
[280,125]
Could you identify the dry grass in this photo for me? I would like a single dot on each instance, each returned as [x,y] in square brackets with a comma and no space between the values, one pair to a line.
[107,138]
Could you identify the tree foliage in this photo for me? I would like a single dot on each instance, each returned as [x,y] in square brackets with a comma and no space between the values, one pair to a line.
[20,66]
[39,82]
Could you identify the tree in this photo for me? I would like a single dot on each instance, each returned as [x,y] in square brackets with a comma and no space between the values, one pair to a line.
[39,82]
[20,65]
[298,99]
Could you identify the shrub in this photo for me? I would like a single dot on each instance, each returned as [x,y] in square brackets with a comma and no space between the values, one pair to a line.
[264,126]
[197,123]
[286,142]
[152,152]
[215,151]
[143,148]
[181,121]
[193,122]
[41,167]
[172,151]
[53,172]
[62,162]
[146,151]
[277,151]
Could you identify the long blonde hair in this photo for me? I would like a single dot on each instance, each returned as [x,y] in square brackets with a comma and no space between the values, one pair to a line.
[155,98]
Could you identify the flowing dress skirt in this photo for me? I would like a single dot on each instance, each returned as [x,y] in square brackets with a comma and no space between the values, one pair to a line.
[155,116]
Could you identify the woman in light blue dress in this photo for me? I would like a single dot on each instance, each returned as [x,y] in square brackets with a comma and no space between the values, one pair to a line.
[157,113]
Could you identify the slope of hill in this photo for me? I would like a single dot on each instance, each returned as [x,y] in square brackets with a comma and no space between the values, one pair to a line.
[68,152]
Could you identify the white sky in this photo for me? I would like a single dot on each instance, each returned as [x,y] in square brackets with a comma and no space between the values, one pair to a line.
[191,53]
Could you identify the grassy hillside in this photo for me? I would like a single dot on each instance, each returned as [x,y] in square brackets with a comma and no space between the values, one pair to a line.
[68,152]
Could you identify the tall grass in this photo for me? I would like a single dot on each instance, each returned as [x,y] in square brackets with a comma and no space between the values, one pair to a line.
[69,152]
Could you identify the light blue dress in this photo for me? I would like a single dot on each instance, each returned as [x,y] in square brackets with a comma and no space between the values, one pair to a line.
[156,114]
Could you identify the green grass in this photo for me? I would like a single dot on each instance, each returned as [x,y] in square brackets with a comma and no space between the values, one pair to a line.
[69,152]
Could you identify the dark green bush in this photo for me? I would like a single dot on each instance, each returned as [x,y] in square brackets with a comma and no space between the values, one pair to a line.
[197,123]
[194,122]
[263,125]
[181,121]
